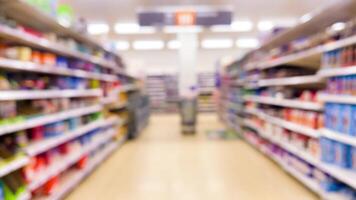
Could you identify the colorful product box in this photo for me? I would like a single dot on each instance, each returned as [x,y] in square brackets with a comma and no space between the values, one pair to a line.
[327,150]
[343,156]
[345,125]
[353,158]
[334,116]
[352,129]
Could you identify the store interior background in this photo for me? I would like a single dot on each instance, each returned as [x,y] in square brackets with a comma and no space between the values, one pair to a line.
[261,16]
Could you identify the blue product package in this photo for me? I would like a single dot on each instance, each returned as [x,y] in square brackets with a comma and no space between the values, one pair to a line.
[352,129]
[72,82]
[327,150]
[343,156]
[353,158]
[62,62]
[335,116]
[52,130]
[328,116]
[73,123]
[346,113]
[340,124]
[330,184]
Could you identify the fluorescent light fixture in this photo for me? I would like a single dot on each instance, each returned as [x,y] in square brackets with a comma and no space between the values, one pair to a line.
[286,22]
[217,43]
[265,25]
[98,28]
[338,26]
[242,26]
[173,44]
[132,28]
[306,17]
[182,29]
[148,45]
[247,43]
[122,45]
[236,26]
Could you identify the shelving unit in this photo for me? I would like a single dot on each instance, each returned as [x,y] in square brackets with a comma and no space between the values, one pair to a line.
[162,90]
[272,106]
[206,88]
[81,88]
[289,103]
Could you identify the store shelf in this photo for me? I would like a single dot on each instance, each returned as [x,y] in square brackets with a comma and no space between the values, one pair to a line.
[346,176]
[252,111]
[285,102]
[307,182]
[313,185]
[288,81]
[293,126]
[343,99]
[44,44]
[74,179]
[16,163]
[25,196]
[65,163]
[39,147]
[129,87]
[44,22]
[289,125]
[308,58]
[7,95]
[337,71]
[118,106]
[340,137]
[33,67]
[46,119]
[71,181]
[252,125]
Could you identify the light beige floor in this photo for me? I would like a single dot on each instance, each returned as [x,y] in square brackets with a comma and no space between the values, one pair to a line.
[163,165]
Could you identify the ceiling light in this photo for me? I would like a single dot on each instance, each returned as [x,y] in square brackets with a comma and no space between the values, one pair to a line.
[217,43]
[265,25]
[182,29]
[132,28]
[236,26]
[306,17]
[338,26]
[242,26]
[122,45]
[173,44]
[98,28]
[148,44]
[247,43]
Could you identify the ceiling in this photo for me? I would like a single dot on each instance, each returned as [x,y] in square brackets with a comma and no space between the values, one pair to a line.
[112,11]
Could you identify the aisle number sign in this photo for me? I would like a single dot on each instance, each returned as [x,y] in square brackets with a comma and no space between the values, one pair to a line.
[185,18]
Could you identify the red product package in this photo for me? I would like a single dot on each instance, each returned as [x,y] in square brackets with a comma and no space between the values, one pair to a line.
[82,163]
[50,186]
[37,133]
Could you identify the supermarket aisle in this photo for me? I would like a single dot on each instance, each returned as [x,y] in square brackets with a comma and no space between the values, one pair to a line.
[164,165]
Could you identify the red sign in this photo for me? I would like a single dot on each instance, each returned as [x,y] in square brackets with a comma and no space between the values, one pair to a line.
[185,18]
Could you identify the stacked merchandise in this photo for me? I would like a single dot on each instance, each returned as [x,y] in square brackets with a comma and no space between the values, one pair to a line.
[206,87]
[130,105]
[300,105]
[55,84]
[142,112]
[230,101]
[139,111]
[163,92]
